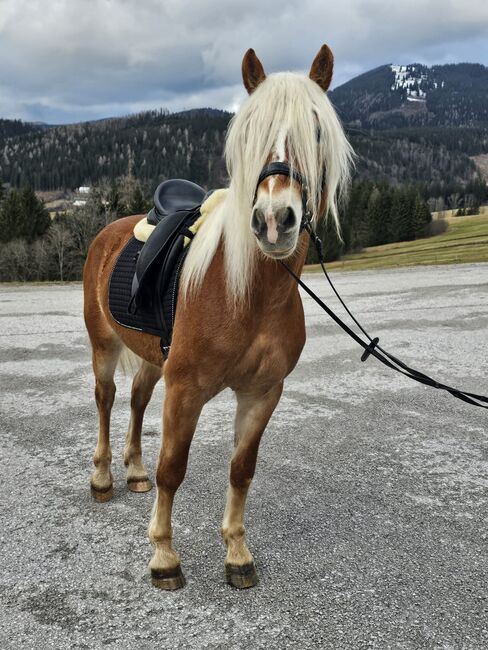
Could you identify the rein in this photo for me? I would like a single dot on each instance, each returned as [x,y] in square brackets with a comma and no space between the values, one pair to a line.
[371,345]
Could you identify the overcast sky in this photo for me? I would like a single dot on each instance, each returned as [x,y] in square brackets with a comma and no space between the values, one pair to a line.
[71,60]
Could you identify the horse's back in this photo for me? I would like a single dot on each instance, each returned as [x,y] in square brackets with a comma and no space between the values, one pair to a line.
[107,244]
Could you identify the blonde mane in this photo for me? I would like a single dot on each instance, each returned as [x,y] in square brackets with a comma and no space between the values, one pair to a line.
[284,101]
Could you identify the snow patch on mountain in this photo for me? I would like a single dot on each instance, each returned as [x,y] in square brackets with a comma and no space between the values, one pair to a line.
[414,80]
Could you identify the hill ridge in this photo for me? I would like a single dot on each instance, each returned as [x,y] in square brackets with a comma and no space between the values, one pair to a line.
[398,140]
[443,95]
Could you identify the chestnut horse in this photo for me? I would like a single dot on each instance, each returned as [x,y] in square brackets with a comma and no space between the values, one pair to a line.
[239,320]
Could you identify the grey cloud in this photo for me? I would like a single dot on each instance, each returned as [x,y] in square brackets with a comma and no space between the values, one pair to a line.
[77,59]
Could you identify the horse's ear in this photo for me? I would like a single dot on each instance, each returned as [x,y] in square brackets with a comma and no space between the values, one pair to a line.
[322,67]
[252,71]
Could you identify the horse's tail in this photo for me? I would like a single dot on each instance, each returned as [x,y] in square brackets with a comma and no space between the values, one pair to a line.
[129,361]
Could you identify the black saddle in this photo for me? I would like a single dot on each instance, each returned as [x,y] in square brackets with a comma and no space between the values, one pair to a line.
[173,196]
[145,279]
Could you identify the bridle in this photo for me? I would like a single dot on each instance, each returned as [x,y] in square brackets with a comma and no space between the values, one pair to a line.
[371,345]
[284,169]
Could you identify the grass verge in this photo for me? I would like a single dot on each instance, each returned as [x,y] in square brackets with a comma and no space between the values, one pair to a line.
[466,240]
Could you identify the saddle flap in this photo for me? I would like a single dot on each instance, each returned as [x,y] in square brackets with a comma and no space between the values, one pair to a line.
[153,258]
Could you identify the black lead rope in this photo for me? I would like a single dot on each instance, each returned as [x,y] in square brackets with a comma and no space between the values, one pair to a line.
[372,348]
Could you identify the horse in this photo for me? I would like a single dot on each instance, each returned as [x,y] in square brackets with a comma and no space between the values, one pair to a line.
[239,320]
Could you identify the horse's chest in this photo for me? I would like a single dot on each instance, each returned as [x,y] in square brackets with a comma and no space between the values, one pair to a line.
[270,353]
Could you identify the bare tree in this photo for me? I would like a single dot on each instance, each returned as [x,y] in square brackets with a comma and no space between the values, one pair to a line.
[40,260]
[60,242]
[85,222]
[14,261]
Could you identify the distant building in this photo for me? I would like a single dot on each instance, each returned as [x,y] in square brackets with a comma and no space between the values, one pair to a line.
[84,189]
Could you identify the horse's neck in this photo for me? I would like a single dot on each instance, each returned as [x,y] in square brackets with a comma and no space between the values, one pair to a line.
[273,281]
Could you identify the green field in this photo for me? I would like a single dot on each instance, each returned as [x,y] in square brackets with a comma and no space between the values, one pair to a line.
[466,240]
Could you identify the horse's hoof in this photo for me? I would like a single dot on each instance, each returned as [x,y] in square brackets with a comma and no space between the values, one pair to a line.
[168,579]
[241,576]
[101,495]
[139,484]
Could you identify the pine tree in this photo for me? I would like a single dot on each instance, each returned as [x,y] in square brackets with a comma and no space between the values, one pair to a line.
[422,217]
[198,172]
[386,198]
[402,215]
[137,204]
[375,219]
[11,217]
[114,200]
[356,215]
[332,245]
[35,217]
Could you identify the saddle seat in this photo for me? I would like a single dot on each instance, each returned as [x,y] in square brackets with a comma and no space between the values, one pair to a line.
[173,196]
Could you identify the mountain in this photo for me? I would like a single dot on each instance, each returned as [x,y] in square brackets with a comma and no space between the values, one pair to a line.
[415,95]
[407,123]
[414,123]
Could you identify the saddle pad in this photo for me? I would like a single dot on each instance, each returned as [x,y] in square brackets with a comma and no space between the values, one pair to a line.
[143,229]
[146,319]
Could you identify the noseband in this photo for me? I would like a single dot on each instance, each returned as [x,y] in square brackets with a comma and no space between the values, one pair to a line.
[284,169]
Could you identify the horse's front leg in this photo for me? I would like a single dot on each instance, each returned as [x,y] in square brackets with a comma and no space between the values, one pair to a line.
[252,416]
[182,407]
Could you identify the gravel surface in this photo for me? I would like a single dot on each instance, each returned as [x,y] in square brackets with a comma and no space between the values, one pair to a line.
[367,516]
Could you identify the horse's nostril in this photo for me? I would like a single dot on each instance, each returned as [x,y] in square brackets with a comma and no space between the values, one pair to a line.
[258,222]
[288,221]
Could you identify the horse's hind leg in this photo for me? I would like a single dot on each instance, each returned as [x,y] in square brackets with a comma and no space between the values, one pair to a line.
[142,388]
[104,357]
[252,416]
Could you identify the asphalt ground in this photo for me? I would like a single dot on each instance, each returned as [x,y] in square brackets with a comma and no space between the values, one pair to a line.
[367,516]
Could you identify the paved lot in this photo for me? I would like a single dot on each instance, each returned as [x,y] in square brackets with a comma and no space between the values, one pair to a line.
[367,516]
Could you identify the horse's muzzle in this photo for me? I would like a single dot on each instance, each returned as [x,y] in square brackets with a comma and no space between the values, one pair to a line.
[276,231]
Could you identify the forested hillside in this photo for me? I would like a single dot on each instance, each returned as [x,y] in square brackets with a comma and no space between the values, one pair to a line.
[404,157]
[408,124]
[156,145]
[10,128]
